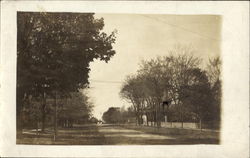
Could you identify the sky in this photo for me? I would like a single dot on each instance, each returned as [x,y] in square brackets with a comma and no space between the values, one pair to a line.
[143,37]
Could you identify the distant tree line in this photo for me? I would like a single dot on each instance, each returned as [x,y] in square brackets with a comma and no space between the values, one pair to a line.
[53,55]
[178,87]
[115,115]
[75,108]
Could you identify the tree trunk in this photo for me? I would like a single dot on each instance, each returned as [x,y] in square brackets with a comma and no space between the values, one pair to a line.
[158,115]
[136,120]
[55,118]
[43,112]
[141,120]
[19,119]
[19,113]
[154,118]
[200,124]
[147,119]
[37,125]
[181,120]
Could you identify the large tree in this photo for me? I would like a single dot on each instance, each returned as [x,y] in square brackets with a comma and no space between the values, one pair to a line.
[214,76]
[198,95]
[54,51]
[175,79]
[132,91]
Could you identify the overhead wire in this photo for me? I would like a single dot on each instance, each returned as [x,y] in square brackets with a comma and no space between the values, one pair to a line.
[180,27]
[162,21]
[106,81]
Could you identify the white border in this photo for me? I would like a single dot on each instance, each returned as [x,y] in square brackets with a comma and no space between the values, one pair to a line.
[235,53]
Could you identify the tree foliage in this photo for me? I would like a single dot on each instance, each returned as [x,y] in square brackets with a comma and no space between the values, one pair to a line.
[117,115]
[176,79]
[75,108]
[112,115]
[54,51]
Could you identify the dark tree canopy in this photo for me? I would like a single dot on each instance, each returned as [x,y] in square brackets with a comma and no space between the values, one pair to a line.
[112,115]
[54,49]
[76,107]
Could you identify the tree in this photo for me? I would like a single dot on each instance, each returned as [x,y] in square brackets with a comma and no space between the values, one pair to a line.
[178,80]
[74,109]
[54,51]
[93,120]
[151,77]
[112,115]
[132,91]
[198,95]
[214,75]
[159,80]
[127,115]
[214,70]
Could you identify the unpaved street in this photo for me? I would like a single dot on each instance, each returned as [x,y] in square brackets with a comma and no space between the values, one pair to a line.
[107,135]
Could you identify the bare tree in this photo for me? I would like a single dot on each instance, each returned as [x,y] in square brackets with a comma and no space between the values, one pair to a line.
[214,70]
[176,78]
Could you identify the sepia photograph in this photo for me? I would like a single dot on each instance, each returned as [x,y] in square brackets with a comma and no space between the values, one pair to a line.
[118,79]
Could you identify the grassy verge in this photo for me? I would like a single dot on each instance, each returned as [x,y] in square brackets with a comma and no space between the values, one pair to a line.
[86,135]
[179,133]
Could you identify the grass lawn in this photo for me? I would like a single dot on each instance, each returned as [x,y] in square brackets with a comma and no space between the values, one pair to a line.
[87,135]
[183,136]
